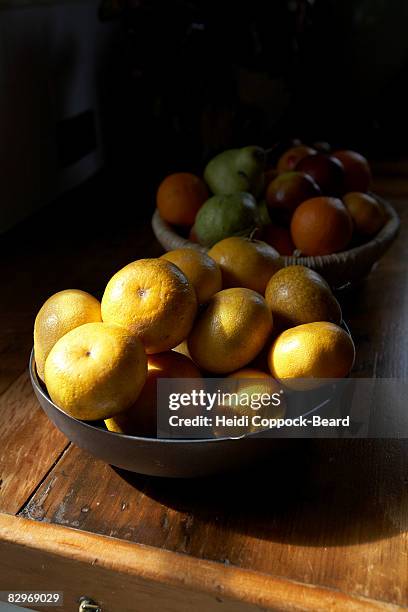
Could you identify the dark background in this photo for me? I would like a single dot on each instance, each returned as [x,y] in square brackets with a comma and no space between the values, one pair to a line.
[165,85]
[184,80]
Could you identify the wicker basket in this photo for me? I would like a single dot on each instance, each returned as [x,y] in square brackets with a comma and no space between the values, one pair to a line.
[339,269]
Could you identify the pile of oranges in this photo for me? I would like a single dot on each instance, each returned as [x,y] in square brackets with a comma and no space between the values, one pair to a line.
[188,315]
[234,311]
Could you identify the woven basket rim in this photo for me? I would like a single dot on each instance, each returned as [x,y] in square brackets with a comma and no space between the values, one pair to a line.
[165,232]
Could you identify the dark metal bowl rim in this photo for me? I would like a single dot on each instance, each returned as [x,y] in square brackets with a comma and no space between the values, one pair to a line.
[86,424]
[39,389]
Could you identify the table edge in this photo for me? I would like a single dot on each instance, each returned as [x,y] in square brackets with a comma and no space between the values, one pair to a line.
[178,570]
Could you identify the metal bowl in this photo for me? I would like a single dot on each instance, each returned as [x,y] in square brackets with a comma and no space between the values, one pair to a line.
[151,456]
[171,458]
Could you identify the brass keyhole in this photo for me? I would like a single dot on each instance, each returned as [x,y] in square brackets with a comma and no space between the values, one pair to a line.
[88,605]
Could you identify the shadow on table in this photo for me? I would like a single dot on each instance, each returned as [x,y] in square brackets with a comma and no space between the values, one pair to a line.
[310,492]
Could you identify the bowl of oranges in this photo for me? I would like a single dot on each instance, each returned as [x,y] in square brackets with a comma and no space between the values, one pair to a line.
[314,208]
[235,313]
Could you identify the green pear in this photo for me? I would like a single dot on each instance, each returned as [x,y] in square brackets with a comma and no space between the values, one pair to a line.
[236,170]
[226,215]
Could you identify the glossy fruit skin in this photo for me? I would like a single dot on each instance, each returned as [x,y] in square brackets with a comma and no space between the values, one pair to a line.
[321,226]
[96,371]
[298,295]
[279,238]
[302,357]
[287,191]
[154,300]
[292,156]
[62,312]
[366,212]
[249,383]
[357,171]
[326,171]
[245,262]
[251,380]
[201,270]
[141,418]
[231,331]
[180,197]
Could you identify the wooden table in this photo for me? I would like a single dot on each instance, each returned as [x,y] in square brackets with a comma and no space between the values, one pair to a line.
[322,525]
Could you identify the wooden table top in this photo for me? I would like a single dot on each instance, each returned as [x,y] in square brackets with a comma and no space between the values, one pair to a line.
[331,513]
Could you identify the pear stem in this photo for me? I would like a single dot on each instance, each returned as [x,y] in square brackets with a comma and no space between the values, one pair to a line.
[252,234]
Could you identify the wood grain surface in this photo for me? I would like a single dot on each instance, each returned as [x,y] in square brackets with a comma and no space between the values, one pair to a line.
[127,577]
[310,515]
[332,514]
[28,446]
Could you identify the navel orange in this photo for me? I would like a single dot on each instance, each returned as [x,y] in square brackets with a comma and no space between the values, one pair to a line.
[201,270]
[252,393]
[141,418]
[154,300]
[231,331]
[62,312]
[95,371]
[321,226]
[180,196]
[245,262]
[303,356]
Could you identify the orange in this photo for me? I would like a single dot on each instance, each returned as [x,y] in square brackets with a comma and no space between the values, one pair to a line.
[141,418]
[95,371]
[245,262]
[303,356]
[180,196]
[251,380]
[201,270]
[297,294]
[231,331]
[62,312]
[154,300]
[279,238]
[292,156]
[321,226]
[246,388]
[366,212]
[249,372]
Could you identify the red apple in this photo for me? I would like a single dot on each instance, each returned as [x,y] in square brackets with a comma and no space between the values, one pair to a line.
[356,169]
[292,156]
[327,171]
[192,235]
[287,191]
